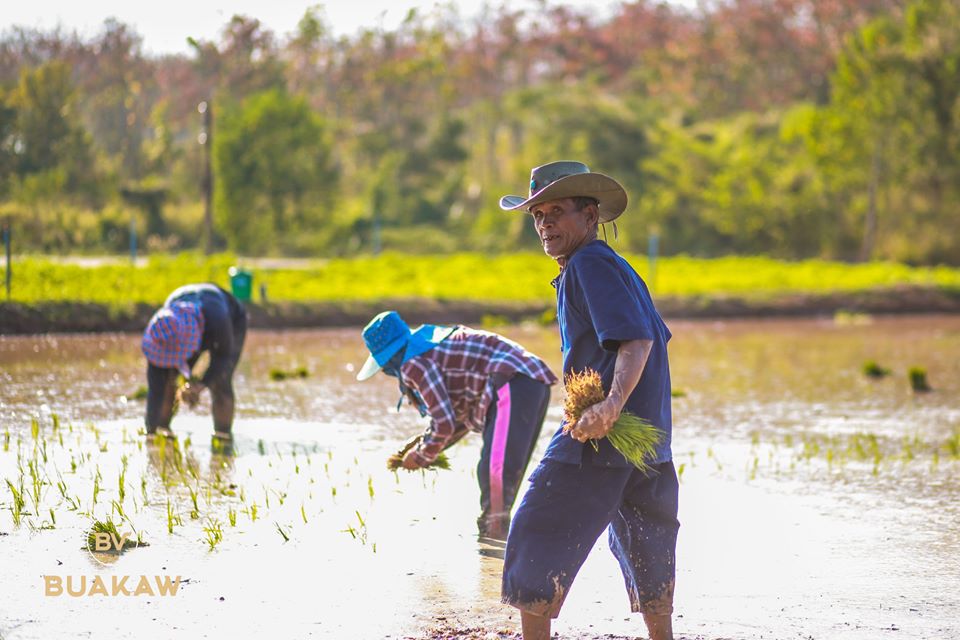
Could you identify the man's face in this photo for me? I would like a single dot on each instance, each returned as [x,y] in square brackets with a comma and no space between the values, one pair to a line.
[562,227]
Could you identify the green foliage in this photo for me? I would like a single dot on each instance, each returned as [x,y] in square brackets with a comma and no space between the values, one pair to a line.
[8,127]
[244,63]
[213,532]
[53,152]
[809,129]
[636,439]
[918,379]
[276,178]
[418,182]
[108,526]
[873,370]
[284,374]
[18,503]
[118,100]
[60,227]
[462,276]
[724,187]
[890,139]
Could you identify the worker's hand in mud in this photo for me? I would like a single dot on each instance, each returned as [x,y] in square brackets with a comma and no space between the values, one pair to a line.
[190,393]
[596,421]
[411,461]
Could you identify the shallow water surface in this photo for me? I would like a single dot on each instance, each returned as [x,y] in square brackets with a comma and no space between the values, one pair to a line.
[815,502]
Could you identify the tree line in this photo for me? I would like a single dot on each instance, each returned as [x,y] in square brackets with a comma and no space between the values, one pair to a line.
[793,128]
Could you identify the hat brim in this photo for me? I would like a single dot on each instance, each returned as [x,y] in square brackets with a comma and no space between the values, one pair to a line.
[369,369]
[376,361]
[607,191]
[425,338]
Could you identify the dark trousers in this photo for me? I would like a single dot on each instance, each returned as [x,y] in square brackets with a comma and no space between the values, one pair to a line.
[513,424]
[162,388]
[564,511]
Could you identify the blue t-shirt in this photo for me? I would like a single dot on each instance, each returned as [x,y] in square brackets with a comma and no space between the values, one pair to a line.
[601,302]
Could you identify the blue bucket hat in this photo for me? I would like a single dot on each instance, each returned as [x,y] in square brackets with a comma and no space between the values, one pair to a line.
[387,334]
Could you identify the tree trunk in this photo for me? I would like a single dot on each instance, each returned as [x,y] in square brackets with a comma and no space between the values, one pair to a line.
[870,220]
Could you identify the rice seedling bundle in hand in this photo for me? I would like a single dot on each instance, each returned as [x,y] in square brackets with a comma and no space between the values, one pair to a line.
[188,394]
[395,461]
[631,435]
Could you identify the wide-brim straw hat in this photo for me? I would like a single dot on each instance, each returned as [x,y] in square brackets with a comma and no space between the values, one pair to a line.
[173,336]
[388,333]
[570,179]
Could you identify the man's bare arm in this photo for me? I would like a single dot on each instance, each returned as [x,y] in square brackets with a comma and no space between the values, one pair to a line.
[598,419]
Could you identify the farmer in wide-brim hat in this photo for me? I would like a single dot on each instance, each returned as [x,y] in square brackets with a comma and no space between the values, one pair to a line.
[608,323]
[466,380]
[195,318]
[567,179]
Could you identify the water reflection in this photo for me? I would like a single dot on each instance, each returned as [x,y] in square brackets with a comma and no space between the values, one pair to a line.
[814,500]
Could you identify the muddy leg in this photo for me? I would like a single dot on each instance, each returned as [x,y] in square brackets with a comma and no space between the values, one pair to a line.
[534,627]
[221,387]
[161,392]
[221,396]
[660,627]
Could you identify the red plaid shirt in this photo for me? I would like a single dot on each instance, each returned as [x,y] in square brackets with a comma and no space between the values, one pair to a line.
[455,380]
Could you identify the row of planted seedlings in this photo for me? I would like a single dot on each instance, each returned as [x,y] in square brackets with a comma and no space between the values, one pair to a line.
[916,375]
[782,453]
[878,451]
[81,477]
[855,452]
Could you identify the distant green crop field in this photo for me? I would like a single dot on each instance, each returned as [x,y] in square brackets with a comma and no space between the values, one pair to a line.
[521,277]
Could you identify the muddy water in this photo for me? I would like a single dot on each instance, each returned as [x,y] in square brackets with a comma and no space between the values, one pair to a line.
[815,502]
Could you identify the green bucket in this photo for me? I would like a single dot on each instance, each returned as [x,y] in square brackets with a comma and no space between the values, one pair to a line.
[241,283]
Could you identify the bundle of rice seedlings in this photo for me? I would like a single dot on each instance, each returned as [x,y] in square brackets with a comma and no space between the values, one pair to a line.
[873,370]
[631,435]
[109,526]
[918,379]
[282,374]
[187,394]
[395,461]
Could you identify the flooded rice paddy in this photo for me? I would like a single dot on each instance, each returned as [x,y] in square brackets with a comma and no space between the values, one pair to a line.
[816,502]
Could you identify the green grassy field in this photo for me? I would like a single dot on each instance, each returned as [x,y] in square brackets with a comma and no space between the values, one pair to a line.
[466,276]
